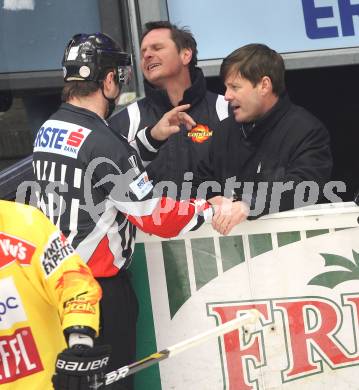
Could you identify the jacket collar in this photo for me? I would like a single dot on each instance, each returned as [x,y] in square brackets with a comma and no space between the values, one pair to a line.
[253,132]
[82,111]
[194,94]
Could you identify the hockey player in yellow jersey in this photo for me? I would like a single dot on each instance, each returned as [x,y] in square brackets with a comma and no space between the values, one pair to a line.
[49,310]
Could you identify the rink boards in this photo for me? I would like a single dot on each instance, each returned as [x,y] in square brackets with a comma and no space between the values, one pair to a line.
[299,269]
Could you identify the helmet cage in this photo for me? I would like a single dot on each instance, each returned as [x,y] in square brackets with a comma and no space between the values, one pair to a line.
[124,74]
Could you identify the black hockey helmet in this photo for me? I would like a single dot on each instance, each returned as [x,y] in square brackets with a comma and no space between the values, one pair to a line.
[87,57]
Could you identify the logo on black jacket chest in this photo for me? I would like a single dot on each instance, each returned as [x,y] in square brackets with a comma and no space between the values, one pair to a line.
[200,134]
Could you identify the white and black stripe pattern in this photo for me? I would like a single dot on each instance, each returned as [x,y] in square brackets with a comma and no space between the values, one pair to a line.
[97,189]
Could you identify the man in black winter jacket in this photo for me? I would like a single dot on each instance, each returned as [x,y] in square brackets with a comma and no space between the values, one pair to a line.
[168,61]
[271,155]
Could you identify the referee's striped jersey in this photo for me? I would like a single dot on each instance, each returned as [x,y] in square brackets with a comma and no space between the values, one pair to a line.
[93,186]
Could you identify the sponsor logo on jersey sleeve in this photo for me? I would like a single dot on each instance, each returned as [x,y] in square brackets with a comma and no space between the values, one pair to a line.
[141,186]
[13,248]
[11,307]
[200,134]
[84,302]
[18,356]
[56,251]
[61,138]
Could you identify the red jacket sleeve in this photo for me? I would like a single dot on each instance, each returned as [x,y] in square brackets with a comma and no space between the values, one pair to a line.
[171,218]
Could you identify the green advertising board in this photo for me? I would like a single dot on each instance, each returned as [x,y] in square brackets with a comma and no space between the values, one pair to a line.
[299,269]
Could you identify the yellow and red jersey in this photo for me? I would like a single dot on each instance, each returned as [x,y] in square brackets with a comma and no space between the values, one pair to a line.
[45,288]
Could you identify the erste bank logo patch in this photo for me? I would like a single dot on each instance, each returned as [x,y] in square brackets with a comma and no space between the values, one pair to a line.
[61,138]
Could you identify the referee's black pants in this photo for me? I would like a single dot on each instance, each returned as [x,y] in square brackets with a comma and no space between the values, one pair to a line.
[118,317]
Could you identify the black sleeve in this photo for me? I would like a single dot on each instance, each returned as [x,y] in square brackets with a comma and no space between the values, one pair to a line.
[205,183]
[137,135]
[115,172]
[146,146]
[126,185]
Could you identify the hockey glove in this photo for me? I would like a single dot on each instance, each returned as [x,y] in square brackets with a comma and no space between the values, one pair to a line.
[81,368]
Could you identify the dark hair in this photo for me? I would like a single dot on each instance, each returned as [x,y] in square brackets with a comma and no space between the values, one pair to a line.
[181,36]
[255,61]
[78,89]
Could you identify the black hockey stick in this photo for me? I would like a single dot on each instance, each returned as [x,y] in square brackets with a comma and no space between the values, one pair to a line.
[114,376]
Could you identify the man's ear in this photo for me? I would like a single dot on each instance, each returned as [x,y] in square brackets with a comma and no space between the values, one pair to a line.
[111,76]
[109,79]
[186,55]
[266,85]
